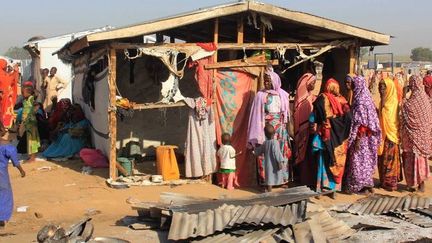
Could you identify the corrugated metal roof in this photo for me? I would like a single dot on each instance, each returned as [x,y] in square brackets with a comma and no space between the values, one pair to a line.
[254,236]
[185,225]
[415,218]
[279,198]
[381,204]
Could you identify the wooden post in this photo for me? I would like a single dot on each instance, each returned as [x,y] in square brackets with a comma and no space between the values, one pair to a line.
[112,113]
[263,34]
[240,31]
[159,38]
[216,37]
[172,39]
[352,58]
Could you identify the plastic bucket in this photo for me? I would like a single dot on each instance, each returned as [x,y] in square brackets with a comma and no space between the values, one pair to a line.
[126,164]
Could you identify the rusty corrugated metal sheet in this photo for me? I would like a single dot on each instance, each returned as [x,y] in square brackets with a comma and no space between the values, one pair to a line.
[415,218]
[381,204]
[185,225]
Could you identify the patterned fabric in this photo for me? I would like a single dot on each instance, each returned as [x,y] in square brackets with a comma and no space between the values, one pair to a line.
[389,115]
[257,112]
[416,120]
[234,94]
[389,166]
[416,168]
[333,128]
[30,124]
[200,145]
[324,178]
[364,139]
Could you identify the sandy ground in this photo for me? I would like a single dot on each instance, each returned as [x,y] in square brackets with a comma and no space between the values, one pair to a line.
[63,196]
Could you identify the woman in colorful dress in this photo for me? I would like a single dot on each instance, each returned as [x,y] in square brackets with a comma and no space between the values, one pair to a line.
[389,164]
[332,117]
[270,106]
[29,123]
[364,140]
[72,136]
[416,131]
[303,106]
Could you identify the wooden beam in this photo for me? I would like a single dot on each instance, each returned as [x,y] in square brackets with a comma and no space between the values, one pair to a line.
[352,59]
[263,34]
[148,106]
[216,38]
[240,31]
[152,27]
[240,63]
[319,22]
[228,46]
[112,113]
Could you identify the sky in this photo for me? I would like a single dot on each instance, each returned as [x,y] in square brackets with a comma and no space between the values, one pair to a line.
[408,21]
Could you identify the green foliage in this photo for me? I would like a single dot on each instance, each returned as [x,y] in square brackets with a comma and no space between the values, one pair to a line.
[421,54]
[17,53]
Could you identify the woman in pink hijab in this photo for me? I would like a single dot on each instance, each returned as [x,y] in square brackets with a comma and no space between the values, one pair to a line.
[303,106]
[270,106]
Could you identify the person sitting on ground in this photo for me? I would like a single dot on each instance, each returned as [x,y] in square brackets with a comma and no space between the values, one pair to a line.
[273,159]
[227,155]
[7,153]
[71,136]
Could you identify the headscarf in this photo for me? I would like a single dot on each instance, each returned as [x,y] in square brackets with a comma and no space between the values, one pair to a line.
[3,64]
[60,110]
[77,114]
[257,116]
[363,112]
[427,82]
[389,114]
[302,111]
[416,119]
[332,88]
[302,92]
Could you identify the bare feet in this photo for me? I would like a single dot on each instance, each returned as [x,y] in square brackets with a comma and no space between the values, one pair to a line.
[411,189]
[2,224]
[332,195]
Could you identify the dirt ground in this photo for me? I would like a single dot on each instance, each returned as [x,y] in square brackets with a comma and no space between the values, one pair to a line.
[63,195]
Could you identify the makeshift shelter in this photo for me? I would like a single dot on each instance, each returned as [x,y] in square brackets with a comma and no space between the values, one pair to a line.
[42,51]
[214,46]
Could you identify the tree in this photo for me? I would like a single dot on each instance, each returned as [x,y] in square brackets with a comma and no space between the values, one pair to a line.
[17,53]
[421,54]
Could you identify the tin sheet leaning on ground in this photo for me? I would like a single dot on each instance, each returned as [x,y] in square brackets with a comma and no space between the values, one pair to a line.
[382,204]
[185,225]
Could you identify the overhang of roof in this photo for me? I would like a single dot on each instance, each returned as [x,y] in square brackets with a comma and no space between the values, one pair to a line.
[288,25]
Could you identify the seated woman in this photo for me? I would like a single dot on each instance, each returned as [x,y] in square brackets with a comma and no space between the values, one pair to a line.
[71,136]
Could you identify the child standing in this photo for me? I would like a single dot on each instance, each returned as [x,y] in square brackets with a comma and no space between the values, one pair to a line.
[7,152]
[227,155]
[273,159]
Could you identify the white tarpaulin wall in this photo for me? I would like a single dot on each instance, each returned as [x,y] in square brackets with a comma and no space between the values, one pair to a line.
[99,116]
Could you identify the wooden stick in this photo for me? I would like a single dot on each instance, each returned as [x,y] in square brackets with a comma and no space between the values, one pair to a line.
[240,63]
[240,30]
[157,106]
[263,34]
[121,169]
[112,114]
[216,37]
[352,59]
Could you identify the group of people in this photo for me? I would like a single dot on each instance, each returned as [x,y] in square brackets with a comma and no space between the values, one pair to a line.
[340,140]
[55,129]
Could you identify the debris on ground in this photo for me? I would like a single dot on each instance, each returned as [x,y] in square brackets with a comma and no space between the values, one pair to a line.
[146,180]
[81,232]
